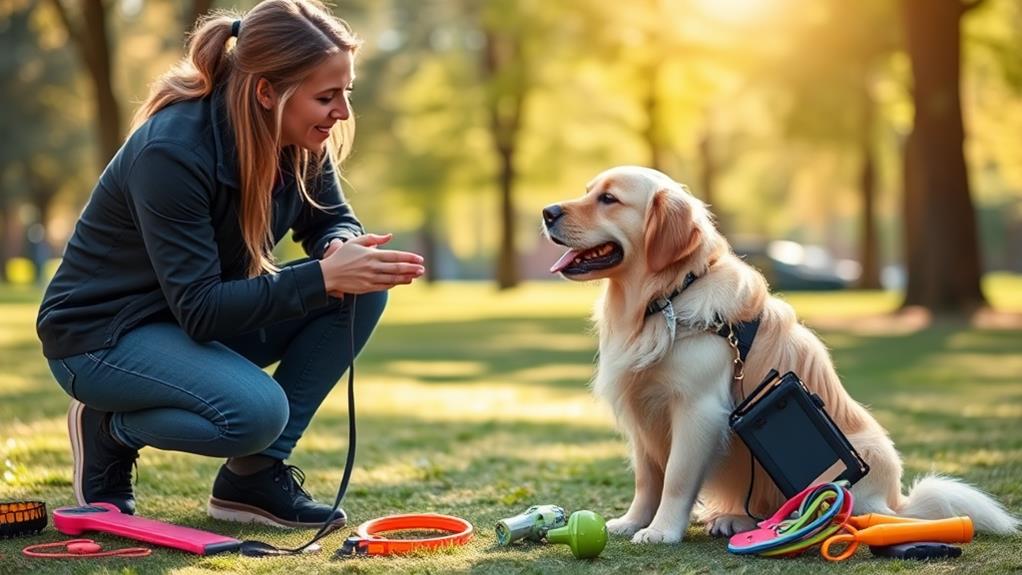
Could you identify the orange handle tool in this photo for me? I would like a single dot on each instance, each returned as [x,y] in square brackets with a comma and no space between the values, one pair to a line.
[953,530]
[871,519]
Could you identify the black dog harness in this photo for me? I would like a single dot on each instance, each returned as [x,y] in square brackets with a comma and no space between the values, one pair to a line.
[739,335]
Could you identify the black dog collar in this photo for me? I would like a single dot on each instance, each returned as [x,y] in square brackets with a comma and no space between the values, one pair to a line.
[660,304]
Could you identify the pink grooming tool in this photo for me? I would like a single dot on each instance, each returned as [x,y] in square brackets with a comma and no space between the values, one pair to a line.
[768,527]
[106,518]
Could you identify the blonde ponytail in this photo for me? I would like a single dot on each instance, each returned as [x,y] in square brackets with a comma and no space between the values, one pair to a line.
[195,76]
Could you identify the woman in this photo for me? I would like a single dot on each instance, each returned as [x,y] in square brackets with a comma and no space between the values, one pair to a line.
[167,303]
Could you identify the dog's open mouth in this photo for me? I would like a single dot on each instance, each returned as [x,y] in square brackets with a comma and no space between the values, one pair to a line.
[578,262]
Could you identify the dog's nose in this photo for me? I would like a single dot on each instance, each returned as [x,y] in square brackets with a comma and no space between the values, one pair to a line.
[552,213]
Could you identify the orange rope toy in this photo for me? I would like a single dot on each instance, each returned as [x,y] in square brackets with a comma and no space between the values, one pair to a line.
[370,542]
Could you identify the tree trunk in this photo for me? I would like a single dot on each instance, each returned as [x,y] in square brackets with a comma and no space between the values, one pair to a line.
[505,105]
[428,235]
[93,44]
[651,105]
[709,168]
[199,7]
[507,268]
[868,249]
[942,252]
[4,229]
[109,110]
[13,235]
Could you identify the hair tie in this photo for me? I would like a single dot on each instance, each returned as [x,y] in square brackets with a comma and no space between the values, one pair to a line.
[235,28]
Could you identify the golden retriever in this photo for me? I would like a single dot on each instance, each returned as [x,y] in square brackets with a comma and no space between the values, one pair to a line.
[671,390]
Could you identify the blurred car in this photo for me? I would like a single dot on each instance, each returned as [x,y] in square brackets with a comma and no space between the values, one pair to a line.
[791,266]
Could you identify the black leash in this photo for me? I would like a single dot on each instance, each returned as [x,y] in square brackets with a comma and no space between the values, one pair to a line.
[261,549]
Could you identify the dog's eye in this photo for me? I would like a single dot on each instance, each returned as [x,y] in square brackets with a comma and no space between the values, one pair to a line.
[606,198]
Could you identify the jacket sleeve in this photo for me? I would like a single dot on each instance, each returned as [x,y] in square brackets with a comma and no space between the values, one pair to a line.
[169,195]
[316,227]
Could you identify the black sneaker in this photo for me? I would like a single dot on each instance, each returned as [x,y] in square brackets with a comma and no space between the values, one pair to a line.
[102,467]
[273,496]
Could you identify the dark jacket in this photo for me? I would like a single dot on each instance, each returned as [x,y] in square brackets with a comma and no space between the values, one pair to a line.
[161,232]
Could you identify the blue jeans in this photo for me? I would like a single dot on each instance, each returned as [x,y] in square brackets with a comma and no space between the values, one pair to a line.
[171,392]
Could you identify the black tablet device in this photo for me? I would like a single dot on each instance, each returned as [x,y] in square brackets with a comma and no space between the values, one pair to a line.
[791,435]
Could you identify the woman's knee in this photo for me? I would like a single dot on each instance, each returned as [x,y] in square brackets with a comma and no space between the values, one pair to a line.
[259,417]
[370,306]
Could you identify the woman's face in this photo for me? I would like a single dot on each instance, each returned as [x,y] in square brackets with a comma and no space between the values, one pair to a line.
[320,101]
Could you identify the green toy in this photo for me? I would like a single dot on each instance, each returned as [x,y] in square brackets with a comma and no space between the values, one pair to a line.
[584,532]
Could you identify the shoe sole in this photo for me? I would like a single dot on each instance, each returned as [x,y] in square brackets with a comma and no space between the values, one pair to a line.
[74,431]
[241,513]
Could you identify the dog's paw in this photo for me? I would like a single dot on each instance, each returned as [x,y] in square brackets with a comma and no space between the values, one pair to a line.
[654,535]
[728,525]
[623,526]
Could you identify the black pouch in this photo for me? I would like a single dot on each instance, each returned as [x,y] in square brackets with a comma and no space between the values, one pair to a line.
[791,435]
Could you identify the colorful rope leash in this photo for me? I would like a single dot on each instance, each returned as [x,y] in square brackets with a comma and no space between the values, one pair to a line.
[803,521]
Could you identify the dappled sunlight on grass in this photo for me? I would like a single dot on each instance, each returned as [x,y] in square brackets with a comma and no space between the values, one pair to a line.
[419,303]
[13,384]
[491,401]
[436,368]
[813,305]
[525,339]
[544,373]
[1009,407]
[476,403]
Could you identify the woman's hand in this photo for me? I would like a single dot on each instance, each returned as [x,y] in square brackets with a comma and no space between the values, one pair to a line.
[356,266]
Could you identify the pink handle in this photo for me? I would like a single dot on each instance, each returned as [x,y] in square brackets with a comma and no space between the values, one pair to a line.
[106,518]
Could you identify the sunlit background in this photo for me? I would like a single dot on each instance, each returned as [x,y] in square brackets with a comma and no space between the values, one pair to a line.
[842,156]
[791,119]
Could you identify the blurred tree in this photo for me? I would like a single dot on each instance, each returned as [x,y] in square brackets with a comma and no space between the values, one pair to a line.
[420,99]
[90,32]
[49,150]
[90,36]
[506,70]
[414,100]
[840,50]
[942,251]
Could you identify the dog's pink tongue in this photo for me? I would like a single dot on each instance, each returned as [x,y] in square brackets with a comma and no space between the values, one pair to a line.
[564,261]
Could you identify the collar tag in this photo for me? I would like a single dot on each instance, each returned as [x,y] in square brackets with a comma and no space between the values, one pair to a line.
[670,317]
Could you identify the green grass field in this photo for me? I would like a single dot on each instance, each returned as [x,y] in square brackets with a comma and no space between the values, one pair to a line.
[476,404]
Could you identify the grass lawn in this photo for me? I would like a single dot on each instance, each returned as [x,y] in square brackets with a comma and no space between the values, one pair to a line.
[475,404]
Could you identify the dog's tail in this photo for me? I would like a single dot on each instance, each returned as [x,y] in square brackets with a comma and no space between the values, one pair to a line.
[938,496]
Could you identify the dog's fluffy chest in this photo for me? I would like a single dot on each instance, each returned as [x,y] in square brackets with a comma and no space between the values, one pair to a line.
[694,359]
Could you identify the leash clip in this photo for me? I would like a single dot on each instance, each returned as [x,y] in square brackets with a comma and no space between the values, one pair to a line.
[353,546]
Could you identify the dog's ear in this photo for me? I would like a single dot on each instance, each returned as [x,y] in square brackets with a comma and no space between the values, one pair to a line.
[671,234]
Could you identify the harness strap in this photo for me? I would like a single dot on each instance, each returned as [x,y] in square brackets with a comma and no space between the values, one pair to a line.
[744,334]
[739,335]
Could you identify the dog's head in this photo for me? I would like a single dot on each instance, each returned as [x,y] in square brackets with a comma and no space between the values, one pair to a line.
[630,220]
